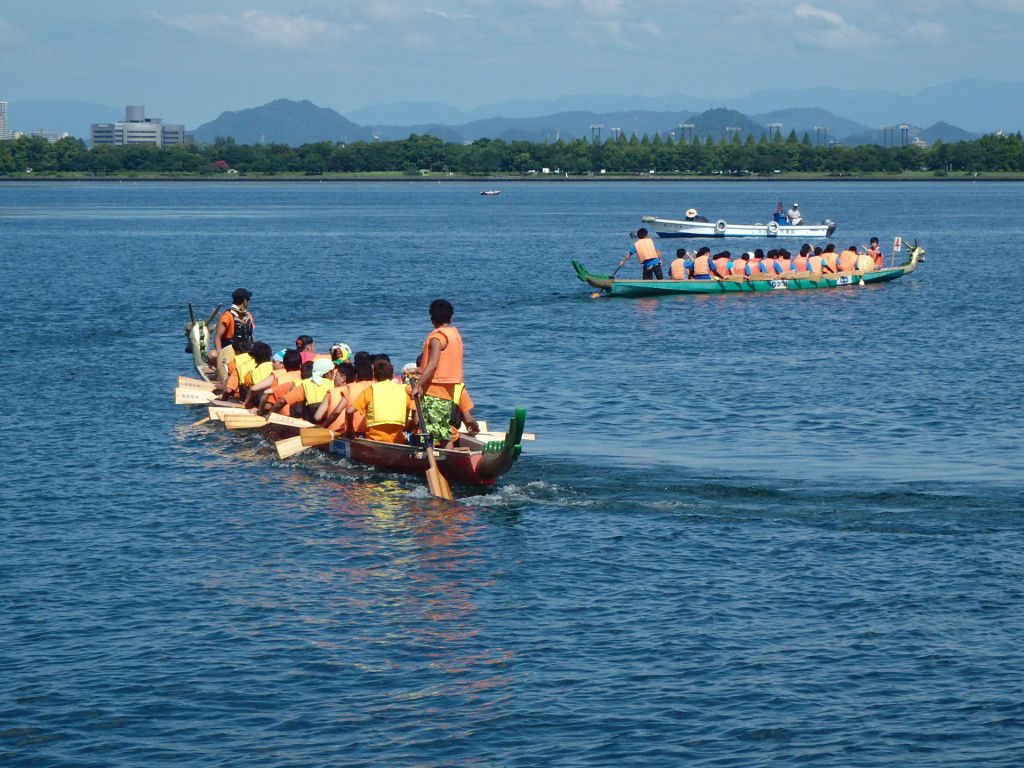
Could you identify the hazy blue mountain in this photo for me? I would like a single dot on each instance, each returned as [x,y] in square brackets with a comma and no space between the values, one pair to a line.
[282,122]
[809,120]
[409,113]
[984,106]
[75,117]
[947,133]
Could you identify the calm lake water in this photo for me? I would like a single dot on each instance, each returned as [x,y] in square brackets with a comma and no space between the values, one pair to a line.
[755,529]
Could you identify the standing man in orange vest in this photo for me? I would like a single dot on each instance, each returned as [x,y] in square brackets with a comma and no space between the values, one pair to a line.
[442,371]
[234,323]
[647,255]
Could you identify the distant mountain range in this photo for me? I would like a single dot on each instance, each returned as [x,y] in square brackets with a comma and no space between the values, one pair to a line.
[300,122]
[849,117]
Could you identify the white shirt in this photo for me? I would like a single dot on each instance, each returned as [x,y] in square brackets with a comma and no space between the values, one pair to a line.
[793,216]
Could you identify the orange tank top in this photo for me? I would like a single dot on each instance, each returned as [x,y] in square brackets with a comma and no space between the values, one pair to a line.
[449,364]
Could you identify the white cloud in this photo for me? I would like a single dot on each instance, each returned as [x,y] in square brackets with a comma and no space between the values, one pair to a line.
[805,11]
[448,16]
[257,27]
[929,32]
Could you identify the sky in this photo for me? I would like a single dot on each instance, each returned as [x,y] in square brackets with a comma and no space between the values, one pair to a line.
[189,61]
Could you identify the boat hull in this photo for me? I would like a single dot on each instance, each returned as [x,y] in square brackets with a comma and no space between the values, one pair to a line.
[712,229]
[646,288]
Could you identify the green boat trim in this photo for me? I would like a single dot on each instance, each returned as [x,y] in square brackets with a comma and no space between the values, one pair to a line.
[634,288]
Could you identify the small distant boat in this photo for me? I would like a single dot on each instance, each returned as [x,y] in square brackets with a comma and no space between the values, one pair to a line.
[722,228]
[490,191]
[789,281]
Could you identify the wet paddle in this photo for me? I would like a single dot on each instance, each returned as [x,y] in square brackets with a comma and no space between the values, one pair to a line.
[436,482]
[191,396]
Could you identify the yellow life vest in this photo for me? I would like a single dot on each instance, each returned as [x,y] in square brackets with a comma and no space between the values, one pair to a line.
[244,365]
[315,390]
[258,374]
[388,406]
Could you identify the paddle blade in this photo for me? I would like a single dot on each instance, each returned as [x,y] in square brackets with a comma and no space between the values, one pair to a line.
[437,483]
[289,421]
[186,382]
[289,447]
[243,421]
[316,436]
[189,396]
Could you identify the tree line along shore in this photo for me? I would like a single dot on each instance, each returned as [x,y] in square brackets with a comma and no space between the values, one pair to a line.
[427,156]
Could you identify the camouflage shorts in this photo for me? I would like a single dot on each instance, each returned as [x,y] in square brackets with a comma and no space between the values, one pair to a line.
[437,412]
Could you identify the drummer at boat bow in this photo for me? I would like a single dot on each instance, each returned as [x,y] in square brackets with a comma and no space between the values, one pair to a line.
[647,255]
[234,323]
[442,374]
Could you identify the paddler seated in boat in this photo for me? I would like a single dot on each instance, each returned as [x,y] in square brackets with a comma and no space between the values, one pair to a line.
[385,404]
[876,253]
[340,353]
[783,261]
[262,366]
[238,367]
[756,263]
[680,266]
[741,264]
[647,255]
[815,262]
[692,215]
[769,265]
[800,260]
[303,401]
[337,395]
[702,264]
[848,259]
[442,371]
[266,393]
[831,259]
[234,323]
[793,215]
[305,347]
[720,264]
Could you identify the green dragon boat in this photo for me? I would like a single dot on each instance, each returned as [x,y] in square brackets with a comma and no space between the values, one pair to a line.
[736,284]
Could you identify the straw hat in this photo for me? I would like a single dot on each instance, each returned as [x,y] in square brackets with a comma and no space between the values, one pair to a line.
[691,213]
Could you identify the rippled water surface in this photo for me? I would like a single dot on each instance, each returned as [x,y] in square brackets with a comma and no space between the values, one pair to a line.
[756,529]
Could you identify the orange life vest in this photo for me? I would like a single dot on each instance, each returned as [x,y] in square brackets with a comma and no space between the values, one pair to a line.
[830,258]
[721,266]
[739,267]
[847,261]
[784,264]
[449,364]
[814,264]
[800,263]
[677,269]
[645,250]
[702,265]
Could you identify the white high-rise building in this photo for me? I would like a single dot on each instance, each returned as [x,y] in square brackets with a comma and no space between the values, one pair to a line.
[4,133]
[136,128]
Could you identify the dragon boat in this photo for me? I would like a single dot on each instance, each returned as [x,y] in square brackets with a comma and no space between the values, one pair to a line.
[788,281]
[722,228]
[479,460]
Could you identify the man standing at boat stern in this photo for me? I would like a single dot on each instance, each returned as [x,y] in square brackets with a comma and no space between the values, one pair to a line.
[442,372]
[647,255]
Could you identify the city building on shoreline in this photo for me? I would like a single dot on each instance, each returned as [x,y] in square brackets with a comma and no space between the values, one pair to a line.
[136,128]
[4,135]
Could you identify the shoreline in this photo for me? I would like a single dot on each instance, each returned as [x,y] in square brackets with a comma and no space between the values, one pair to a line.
[547,179]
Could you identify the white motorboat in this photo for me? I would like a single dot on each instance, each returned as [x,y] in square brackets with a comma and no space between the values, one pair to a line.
[722,228]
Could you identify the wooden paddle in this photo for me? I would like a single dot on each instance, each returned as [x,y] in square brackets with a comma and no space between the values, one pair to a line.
[187,381]
[436,482]
[243,420]
[190,396]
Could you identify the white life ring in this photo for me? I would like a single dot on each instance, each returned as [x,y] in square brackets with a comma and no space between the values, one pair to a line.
[773,227]
[720,227]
